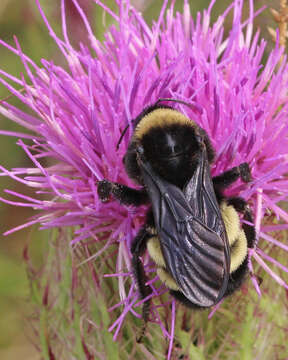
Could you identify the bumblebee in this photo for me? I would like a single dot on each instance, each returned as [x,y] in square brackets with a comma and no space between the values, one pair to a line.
[192,231]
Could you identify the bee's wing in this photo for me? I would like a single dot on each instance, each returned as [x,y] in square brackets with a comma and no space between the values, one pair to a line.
[192,233]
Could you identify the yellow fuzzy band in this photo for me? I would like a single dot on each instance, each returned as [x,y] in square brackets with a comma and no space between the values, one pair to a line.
[154,249]
[238,251]
[160,118]
[231,221]
[167,279]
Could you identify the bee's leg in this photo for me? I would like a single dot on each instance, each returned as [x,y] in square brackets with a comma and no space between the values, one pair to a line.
[124,194]
[138,247]
[227,178]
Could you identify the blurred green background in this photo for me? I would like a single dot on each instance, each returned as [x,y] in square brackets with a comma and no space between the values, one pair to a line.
[22,18]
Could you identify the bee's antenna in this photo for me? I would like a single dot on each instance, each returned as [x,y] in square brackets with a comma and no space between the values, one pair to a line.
[173,100]
[121,137]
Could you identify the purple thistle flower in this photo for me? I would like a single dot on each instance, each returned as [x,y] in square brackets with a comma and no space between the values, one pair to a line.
[79,114]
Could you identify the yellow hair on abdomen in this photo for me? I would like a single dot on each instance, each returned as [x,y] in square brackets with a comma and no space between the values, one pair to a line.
[238,251]
[167,279]
[231,221]
[236,236]
[154,249]
[159,118]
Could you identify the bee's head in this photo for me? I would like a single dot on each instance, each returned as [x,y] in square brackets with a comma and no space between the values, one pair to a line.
[170,142]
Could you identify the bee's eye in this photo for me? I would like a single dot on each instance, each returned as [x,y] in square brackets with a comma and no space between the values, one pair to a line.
[140,150]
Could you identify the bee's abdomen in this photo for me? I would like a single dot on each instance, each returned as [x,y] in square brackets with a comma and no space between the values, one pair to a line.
[154,249]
